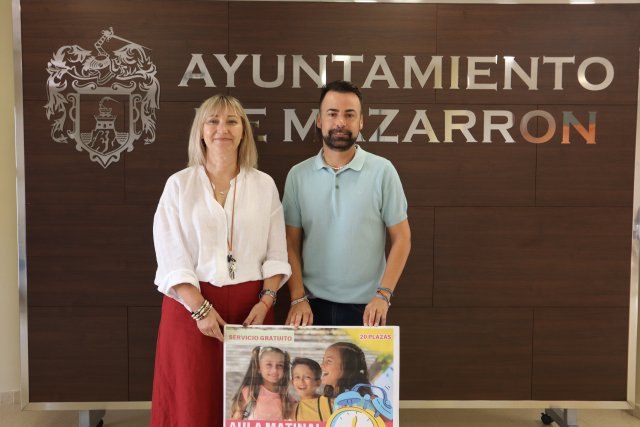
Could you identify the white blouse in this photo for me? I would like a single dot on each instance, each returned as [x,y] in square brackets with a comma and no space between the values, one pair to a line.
[190,231]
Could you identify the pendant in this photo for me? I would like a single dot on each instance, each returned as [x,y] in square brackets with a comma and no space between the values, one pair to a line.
[231,263]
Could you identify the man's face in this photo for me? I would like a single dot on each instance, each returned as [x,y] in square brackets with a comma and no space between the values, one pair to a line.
[340,120]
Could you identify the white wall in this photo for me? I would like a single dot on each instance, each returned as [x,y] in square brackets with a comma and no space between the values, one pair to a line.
[9,324]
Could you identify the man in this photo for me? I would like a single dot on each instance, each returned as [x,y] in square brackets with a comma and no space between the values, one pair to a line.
[339,205]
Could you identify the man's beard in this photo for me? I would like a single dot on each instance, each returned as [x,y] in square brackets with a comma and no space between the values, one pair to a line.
[341,143]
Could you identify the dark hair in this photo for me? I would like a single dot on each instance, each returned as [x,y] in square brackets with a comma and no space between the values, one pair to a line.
[342,87]
[354,369]
[253,380]
[310,363]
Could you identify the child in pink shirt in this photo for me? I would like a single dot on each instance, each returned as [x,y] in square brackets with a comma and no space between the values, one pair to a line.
[263,393]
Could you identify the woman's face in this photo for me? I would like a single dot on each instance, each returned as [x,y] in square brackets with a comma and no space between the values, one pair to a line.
[331,367]
[304,381]
[222,128]
[272,367]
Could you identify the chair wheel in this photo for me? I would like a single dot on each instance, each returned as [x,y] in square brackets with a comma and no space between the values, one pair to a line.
[546,419]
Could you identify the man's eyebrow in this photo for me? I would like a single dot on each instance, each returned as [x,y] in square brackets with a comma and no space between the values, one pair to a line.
[348,110]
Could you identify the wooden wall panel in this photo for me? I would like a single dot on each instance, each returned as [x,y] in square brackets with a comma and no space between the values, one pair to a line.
[527,28]
[416,284]
[77,280]
[505,257]
[143,331]
[117,267]
[61,230]
[275,24]
[598,335]
[56,172]
[527,31]
[473,175]
[465,354]
[458,173]
[77,354]
[172,31]
[147,167]
[589,175]
[356,29]
[510,240]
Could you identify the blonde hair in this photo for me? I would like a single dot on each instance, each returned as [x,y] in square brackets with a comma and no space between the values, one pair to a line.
[247,151]
[253,380]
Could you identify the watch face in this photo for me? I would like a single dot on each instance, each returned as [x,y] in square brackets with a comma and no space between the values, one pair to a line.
[353,417]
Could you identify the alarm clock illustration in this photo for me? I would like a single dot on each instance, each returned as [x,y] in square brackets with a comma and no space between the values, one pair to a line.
[355,410]
[353,416]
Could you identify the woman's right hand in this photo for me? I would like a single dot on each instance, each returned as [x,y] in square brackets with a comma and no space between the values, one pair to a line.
[211,325]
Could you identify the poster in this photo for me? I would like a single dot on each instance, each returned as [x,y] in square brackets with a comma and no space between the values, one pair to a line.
[278,376]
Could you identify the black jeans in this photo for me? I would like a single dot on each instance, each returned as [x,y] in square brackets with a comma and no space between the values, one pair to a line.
[329,313]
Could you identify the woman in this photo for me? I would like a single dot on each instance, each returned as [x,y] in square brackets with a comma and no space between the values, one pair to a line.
[220,244]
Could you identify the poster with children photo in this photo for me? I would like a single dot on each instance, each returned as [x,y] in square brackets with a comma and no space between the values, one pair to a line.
[316,376]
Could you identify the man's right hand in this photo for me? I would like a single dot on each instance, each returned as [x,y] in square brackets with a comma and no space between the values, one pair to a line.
[300,315]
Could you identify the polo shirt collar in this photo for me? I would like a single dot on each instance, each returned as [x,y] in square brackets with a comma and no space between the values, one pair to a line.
[356,163]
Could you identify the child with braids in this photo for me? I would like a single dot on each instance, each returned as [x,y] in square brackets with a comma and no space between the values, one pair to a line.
[263,393]
[342,367]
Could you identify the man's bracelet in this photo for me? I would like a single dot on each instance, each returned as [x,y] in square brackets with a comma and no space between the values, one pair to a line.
[299,300]
[383,297]
[386,290]
[269,292]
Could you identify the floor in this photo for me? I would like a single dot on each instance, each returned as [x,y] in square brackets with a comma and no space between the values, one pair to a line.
[11,416]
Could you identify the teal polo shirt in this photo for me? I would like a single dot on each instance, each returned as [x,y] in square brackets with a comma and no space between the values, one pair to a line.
[344,217]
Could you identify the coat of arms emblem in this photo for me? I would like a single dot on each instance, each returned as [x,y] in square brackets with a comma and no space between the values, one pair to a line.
[105,100]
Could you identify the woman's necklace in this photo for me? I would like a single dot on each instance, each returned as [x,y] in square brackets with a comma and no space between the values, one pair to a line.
[231,261]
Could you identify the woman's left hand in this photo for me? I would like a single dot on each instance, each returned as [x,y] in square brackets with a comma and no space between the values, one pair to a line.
[257,314]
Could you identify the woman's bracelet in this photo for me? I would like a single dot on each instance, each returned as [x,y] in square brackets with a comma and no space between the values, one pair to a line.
[299,300]
[386,290]
[202,312]
[269,292]
[196,313]
[383,297]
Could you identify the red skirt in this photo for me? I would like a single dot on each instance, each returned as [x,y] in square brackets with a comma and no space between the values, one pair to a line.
[187,379]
